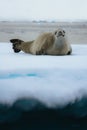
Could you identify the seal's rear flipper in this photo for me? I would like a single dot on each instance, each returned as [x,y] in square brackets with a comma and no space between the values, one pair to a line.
[16,41]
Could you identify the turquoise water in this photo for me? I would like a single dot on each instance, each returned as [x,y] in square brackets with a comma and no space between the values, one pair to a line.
[11,76]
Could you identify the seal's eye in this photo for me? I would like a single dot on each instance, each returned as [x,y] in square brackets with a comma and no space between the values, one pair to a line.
[63,31]
[55,32]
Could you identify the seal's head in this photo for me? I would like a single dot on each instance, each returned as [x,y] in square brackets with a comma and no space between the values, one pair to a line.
[16,45]
[59,32]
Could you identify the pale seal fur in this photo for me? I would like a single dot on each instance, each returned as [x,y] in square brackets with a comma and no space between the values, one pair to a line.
[52,43]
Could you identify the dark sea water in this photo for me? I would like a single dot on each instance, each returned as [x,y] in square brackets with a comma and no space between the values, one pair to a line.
[30,114]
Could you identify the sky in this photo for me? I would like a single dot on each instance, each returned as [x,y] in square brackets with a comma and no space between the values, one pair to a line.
[43,9]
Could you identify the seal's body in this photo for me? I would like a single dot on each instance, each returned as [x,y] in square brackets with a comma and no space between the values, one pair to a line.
[54,43]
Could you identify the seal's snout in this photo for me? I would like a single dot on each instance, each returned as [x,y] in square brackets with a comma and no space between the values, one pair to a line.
[61,33]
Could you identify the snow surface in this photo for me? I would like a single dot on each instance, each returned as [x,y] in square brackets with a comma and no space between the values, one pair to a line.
[53,80]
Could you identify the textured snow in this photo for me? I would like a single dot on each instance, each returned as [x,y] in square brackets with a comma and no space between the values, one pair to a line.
[52,80]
